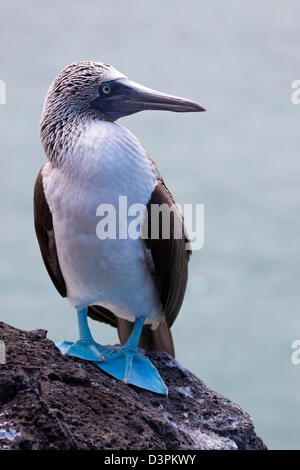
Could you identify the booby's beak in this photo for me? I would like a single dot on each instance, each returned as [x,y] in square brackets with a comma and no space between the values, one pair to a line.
[122,97]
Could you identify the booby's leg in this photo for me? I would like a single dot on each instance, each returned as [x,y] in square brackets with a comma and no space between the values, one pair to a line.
[128,365]
[85,347]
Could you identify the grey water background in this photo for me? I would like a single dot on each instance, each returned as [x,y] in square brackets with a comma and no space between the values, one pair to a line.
[241,159]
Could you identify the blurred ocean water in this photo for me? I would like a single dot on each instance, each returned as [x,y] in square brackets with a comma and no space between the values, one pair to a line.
[241,159]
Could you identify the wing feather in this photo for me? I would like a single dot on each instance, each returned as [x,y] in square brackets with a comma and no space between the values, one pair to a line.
[45,234]
[170,256]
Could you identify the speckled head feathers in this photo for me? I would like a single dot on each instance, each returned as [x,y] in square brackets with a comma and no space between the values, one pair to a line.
[78,84]
[68,102]
[85,91]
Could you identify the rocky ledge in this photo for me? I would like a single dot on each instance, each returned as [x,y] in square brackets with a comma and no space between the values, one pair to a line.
[48,401]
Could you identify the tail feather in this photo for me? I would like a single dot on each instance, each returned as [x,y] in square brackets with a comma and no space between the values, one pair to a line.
[151,340]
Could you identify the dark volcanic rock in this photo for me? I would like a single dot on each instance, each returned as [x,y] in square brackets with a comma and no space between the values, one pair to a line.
[48,401]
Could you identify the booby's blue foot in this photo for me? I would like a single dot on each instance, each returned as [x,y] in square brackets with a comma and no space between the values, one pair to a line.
[133,368]
[90,351]
[86,347]
[128,365]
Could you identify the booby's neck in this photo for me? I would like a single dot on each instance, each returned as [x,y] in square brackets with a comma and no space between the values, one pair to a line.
[88,144]
[61,129]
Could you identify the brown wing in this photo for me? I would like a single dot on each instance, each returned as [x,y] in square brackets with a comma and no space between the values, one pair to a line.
[170,255]
[45,235]
[168,264]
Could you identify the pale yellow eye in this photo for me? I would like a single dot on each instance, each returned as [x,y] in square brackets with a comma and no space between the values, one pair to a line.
[106,89]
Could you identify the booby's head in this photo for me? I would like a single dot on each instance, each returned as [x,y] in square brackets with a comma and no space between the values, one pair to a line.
[89,91]
[86,86]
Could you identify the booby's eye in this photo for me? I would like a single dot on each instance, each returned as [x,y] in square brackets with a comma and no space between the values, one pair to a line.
[106,89]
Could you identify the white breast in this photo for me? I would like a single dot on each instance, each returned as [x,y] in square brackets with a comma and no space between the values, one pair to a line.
[108,162]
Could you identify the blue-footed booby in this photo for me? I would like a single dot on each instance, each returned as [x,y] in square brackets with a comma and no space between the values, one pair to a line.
[135,284]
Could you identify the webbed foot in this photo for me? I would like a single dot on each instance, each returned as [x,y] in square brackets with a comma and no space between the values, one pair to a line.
[133,368]
[130,366]
[88,350]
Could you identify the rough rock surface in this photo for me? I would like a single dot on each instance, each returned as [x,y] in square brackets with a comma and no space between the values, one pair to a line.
[48,401]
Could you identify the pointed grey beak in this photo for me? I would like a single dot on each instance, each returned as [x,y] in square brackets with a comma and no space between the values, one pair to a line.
[123,97]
